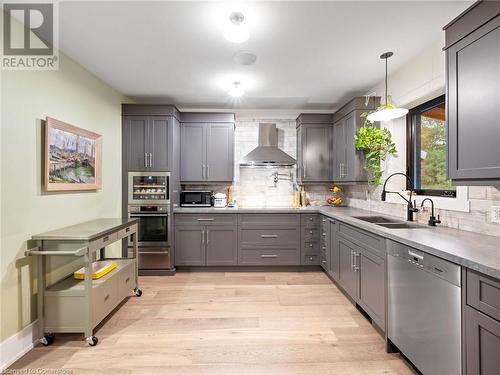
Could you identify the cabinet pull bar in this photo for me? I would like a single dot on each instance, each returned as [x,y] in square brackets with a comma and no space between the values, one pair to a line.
[269,236]
[268,256]
[146,159]
[211,219]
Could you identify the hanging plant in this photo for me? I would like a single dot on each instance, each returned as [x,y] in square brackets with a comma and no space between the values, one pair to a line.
[376,144]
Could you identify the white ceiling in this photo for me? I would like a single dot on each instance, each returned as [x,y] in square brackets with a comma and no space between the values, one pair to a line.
[310,55]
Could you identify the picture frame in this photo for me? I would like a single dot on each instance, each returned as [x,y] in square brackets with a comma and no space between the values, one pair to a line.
[72,157]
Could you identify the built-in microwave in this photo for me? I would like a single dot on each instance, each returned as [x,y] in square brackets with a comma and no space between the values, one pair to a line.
[196,198]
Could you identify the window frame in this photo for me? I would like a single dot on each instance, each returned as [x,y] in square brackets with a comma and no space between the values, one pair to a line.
[412,138]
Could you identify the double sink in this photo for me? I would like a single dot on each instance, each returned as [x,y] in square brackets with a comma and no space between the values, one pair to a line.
[388,223]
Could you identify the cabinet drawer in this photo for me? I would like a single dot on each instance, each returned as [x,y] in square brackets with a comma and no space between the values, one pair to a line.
[310,247]
[310,234]
[362,238]
[126,281]
[263,220]
[310,220]
[272,237]
[483,293]
[104,299]
[310,259]
[125,232]
[276,257]
[323,262]
[205,219]
[104,241]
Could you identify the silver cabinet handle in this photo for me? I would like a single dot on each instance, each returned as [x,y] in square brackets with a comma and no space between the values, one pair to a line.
[352,260]
[207,219]
[208,240]
[356,262]
[203,238]
[269,236]
[150,160]
[146,159]
[268,256]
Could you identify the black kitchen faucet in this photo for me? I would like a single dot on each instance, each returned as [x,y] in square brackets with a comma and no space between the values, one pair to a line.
[411,206]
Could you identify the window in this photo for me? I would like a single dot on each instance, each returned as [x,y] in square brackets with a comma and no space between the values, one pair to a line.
[426,157]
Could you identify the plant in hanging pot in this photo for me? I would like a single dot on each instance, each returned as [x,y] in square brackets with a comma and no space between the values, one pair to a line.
[376,144]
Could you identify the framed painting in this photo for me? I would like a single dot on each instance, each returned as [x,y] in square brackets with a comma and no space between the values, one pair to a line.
[72,157]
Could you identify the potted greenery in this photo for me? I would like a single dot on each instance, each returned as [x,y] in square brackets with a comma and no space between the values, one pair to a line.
[376,144]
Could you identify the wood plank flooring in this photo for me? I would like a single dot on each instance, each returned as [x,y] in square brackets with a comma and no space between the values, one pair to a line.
[237,323]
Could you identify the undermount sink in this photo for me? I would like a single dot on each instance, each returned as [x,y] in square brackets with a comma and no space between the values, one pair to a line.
[388,223]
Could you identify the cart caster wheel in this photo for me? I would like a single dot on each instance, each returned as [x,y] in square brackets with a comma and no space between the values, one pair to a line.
[92,340]
[138,292]
[47,339]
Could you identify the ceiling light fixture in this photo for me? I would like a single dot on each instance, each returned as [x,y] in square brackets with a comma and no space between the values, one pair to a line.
[236,91]
[236,30]
[388,111]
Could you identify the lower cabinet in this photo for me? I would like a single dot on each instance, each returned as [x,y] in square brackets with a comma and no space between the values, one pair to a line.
[201,245]
[334,250]
[482,335]
[325,243]
[361,274]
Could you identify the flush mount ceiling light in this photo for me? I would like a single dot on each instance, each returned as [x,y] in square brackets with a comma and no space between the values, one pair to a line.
[236,91]
[388,111]
[236,30]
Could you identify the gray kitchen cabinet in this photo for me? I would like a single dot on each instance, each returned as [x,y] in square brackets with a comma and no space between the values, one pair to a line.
[348,162]
[314,148]
[310,239]
[325,244]
[145,142]
[201,240]
[190,245]
[221,246]
[334,250]
[371,290]
[193,152]
[473,94]
[482,338]
[347,273]
[207,151]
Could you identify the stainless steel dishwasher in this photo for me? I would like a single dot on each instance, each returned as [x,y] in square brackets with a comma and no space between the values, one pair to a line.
[424,309]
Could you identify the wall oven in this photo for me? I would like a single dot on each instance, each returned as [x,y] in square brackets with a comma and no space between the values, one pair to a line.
[153,237]
[149,188]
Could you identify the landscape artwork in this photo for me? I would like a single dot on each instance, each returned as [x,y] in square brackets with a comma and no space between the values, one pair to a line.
[72,157]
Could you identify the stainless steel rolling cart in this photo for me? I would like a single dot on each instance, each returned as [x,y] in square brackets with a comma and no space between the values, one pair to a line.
[70,305]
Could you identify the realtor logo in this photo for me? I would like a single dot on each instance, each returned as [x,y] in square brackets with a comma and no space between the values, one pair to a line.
[29,37]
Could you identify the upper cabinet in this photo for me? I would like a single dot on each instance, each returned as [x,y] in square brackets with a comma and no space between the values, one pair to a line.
[147,137]
[348,163]
[314,148]
[473,94]
[207,147]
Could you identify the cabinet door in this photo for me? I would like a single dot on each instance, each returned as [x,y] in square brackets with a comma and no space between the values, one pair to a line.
[158,143]
[221,246]
[193,152]
[135,142]
[325,244]
[371,293]
[219,158]
[300,162]
[473,95]
[316,152]
[338,151]
[354,170]
[347,275]
[334,250]
[482,335]
[190,245]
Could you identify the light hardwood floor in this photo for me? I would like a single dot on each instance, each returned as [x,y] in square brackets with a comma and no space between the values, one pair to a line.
[234,323]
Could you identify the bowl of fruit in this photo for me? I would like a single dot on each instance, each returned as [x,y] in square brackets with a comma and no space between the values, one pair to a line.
[336,198]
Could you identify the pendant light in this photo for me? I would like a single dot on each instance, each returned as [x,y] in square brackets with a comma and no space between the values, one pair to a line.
[236,30]
[236,91]
[388,111]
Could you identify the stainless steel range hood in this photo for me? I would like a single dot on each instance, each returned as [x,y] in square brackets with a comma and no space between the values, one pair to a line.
[267,152]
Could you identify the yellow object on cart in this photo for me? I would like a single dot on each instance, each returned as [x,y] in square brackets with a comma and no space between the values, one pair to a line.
[99,269]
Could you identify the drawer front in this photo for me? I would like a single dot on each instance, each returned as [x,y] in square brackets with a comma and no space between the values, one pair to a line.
[104,299]
[104,241]
[362,238]
[125,232]
[310,247]
[310,234]
[205,219]
[310,260]
[272,237]
[310,220]
[323,262]
[483,293]
[126,281]
[268,257]
[263,220]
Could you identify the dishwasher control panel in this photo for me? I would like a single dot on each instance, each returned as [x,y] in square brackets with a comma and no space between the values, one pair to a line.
[430,263]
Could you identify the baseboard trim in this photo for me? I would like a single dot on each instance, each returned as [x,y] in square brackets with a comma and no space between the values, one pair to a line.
[17,345]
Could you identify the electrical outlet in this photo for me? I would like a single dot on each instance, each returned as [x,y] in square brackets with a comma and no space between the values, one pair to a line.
[495,214]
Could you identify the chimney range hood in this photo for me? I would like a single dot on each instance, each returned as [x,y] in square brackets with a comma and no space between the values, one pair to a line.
[267,152]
